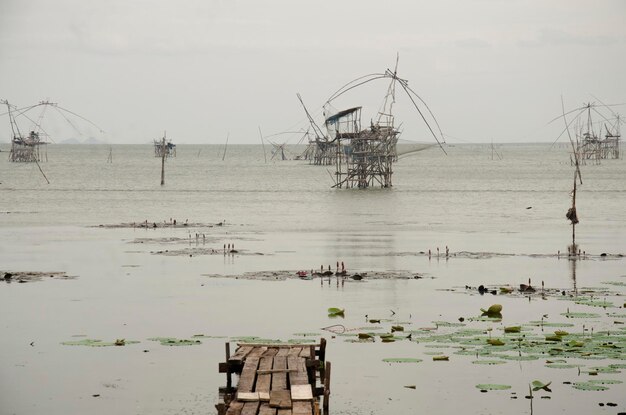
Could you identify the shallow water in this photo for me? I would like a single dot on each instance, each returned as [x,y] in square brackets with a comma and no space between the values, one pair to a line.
[284,216]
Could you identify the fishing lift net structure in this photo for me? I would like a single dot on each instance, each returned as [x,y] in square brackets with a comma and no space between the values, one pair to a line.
[163,147]
[590,144]
[32,148]
[364,157]
[28,149]
[25,149]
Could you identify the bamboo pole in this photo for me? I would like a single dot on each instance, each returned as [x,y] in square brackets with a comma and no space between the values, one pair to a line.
[163,161]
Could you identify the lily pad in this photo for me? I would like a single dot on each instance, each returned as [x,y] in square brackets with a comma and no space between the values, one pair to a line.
[171,341]
[537,385]
[580,315]
[98,343]
[441,358]
[336,312]
[488,362]
[494,310]
[588,386]
[492,387]
[401,360]
[561,365]
[606,381]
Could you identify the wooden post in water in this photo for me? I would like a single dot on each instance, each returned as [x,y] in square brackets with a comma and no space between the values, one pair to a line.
[163,161]
[326,388]
[229,380]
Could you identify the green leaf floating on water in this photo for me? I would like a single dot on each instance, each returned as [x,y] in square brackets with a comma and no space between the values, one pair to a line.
[512,329]
[171,341]
[561,365]
[492,387]
[98,343]
[580,315]
[488,362]
[536,384]
[495,342]
[494,310]
[589,386]
[441,358]
[336,312]
[401,360]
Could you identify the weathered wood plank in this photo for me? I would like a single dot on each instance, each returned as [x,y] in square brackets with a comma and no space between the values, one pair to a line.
[294,351]
[257,352]
[261,372]
[264,380]
[302,408]
[248,374]
[284,412]
[280,399]
[250,408]
[279,380]
[234,408]
[301,393]
[240,354]
[247,396]
[265,409]
[284,351]
[278,346]
[299,374]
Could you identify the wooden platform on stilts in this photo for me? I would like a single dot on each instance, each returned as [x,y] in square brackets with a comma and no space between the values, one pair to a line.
[275,379]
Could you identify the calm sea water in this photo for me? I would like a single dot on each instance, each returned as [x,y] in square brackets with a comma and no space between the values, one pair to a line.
[284,215]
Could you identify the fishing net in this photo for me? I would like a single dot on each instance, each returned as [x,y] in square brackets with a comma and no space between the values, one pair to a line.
[571,215]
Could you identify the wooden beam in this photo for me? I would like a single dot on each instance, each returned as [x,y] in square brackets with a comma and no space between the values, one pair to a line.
[280,399]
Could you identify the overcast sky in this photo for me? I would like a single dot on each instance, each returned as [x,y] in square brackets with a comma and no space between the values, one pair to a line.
[202,69]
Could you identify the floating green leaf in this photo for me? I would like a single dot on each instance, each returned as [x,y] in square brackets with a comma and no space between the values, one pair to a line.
[492,387]
[401,360]
[98,343]
[536,384]
[488,362]
[171,341]
[494,310]
[605,381]
[512,329]
[588,386]
[580,315]
[336,312]
[561,366]
[441,358]
[495,342]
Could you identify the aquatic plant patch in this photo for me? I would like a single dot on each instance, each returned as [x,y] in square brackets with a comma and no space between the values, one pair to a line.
[98,343]
[488,362]
[492,387]
[171,341]
[588,386]
[401,360]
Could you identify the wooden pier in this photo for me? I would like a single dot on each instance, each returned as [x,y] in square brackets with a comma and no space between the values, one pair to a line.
[275,379]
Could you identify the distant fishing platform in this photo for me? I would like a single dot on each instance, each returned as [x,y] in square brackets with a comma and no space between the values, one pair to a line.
[275,379]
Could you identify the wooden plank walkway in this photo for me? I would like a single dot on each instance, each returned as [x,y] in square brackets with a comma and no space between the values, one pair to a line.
[275,379]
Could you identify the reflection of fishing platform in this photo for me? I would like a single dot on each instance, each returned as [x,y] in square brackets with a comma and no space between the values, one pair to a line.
[275,379]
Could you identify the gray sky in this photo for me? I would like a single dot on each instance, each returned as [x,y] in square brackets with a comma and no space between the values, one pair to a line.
[202,69]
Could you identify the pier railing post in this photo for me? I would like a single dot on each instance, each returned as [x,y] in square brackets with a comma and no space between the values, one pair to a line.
[229,380]
[326,388]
